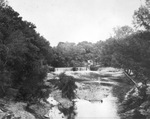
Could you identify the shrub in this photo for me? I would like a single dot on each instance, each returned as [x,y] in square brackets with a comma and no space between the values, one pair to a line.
[74,69]
[34,88]
[67,86]
[93,68]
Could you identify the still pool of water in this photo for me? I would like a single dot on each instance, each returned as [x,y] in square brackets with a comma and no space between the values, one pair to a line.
[95,110]
[107,109]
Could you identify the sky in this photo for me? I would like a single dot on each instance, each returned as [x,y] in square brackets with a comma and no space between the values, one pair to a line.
[76,20]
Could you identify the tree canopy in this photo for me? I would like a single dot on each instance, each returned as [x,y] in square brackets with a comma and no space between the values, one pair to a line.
[129,49]
[22,53]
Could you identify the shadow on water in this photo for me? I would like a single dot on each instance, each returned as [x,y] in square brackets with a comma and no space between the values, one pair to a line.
[69,113]
[120,90]
[92,109]
[106,84]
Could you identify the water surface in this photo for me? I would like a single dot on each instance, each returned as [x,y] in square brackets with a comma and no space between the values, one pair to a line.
[93,110]
[96,100]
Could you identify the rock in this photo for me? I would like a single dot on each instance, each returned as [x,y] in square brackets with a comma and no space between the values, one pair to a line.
[134,106]
[39,110]
[52,101]
[1,111]
[143,112]
[10,115]
[65,103]
[46,115]
[17,110]
[137,115]
[145,105]
[127,115]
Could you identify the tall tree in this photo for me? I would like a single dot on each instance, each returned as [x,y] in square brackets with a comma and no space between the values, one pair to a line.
[141,17]
[22,53]
[122,32]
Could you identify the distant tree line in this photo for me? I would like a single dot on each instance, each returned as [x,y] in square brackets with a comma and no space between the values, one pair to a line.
[67,54]
[128,48]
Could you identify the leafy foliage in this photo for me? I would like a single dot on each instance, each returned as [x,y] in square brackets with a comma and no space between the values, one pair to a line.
[67,86]
[130,53]
[94,68]
[72,55]
[22,53]
[141,17]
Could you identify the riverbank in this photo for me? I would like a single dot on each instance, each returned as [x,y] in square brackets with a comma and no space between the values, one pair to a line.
[95,88]
[92,84]
[134,107]
[105,88]
[13,110]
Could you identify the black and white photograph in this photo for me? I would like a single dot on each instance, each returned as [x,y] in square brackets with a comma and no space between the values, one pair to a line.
[74,59]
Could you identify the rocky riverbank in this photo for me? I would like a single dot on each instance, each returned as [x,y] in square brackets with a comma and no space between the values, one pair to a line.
[92,87]
[135,108]
[13,110]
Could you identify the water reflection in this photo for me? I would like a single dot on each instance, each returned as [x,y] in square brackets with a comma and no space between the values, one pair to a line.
[103,110]
[69,113]
[106,109]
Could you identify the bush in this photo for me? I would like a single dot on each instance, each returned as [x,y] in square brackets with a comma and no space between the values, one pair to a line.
[51,69]
[33,88]
[93,68]
[74,69]
[67,86]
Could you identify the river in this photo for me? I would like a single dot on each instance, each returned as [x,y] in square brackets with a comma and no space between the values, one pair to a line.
[94,110]
[96,100]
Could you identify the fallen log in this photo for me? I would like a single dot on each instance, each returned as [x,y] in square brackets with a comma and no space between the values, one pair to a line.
[132,80]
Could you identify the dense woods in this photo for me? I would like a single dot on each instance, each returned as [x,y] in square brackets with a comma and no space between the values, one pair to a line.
[71,55]
[129,49]
[22,53]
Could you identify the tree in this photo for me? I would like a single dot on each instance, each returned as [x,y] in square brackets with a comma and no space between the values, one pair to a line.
[3,3]
[107,50]
[72,55]
[22,53]
[122,32]
[67,86]
[141,17]
[130,53]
